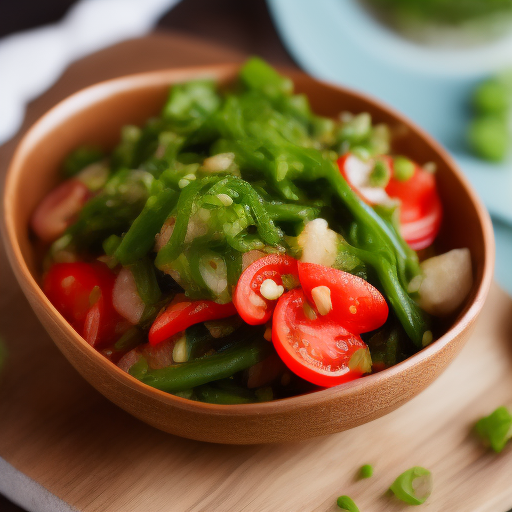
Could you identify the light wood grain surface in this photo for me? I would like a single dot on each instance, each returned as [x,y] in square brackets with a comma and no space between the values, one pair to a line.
[57,430]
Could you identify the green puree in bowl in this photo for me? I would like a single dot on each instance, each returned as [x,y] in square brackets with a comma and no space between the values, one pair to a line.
[482,18]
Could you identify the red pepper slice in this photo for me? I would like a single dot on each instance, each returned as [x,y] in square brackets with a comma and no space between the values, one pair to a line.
[177,317]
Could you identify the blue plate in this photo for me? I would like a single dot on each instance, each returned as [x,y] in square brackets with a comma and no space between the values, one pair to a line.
[338,41]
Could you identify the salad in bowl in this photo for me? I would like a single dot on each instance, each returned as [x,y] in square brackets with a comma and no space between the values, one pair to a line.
[239,248]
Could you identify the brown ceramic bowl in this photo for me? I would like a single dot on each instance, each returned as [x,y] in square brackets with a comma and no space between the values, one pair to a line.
[95,116]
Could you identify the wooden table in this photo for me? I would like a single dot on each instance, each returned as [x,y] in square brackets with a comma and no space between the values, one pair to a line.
[63,435]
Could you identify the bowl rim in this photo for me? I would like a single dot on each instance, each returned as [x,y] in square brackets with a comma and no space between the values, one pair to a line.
[76,102]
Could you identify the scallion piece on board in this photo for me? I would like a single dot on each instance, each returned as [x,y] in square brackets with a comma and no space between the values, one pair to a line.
[346,503]
[413,486]
[496,429]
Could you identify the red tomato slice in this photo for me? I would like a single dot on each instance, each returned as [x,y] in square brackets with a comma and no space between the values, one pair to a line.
[250,304]
[82,293]
[420,210]
[58,209]
[69,286]
[356,304]
[179,316]
[319,350]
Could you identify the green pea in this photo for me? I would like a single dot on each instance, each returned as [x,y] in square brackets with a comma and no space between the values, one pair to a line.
[403,168]
[380,174]
[489,138]
[491,97]
[366,471]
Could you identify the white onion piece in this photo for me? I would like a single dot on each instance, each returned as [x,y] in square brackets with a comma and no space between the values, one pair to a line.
[160,355]
[129,359]
[125,297]
[219,163]
[215,274]
[447,280]
[319,243]
[164,236]
[58,209]
[358,174]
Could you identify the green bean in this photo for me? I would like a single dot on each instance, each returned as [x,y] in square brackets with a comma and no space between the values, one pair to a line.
[81,158]
[410,315]
[201,371]
[140,238]
[184,208]
[143,272]
[113,210]
[268,232]
[213,395]
[291,212]
[130,339]
[111,244]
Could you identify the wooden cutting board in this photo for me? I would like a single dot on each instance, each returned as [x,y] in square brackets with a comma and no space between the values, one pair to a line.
[60,432]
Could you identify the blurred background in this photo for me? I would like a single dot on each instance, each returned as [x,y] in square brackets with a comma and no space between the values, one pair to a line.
[444,63]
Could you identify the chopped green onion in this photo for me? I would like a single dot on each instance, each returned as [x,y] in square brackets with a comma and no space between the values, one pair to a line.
[81,158]
[346,503]
[380,175]
[413,486]
[110,244]
[143,272]
[496,429]
[366,471]
[403,168]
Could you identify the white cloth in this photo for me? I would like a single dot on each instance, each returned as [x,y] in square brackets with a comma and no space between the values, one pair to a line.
[31,61]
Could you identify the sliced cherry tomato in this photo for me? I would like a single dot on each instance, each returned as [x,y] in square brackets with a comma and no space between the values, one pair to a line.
[181,315]
[356,304]
[250,303]
[420,209]
[82,293]
[69,286]
[58,209]
[319,350]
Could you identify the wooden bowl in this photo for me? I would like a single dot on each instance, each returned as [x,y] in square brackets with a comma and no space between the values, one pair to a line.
[95,116]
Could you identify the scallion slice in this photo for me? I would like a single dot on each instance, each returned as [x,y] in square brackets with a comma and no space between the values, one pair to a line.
[413,486]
